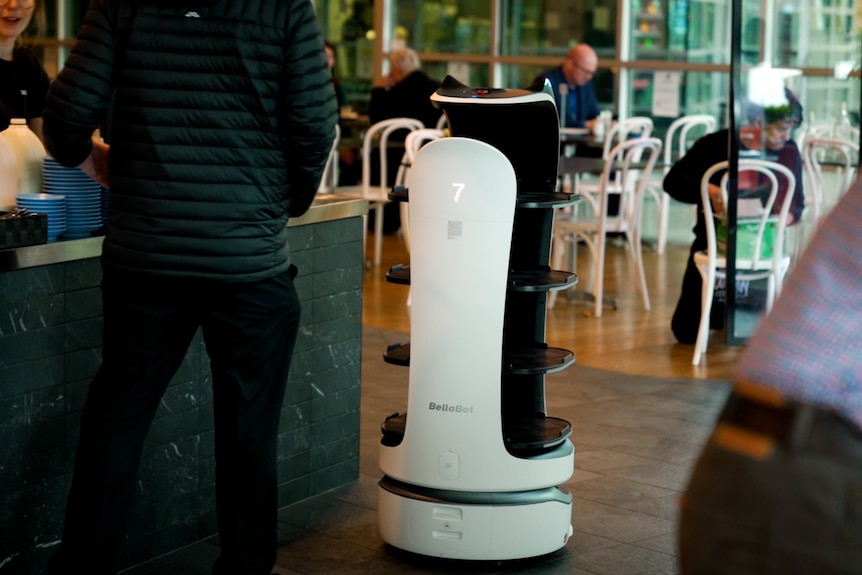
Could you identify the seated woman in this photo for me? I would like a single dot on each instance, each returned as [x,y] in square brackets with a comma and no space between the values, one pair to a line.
[683,184]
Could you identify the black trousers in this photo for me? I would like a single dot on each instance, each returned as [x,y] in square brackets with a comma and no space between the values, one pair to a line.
[686,316]
[249,330]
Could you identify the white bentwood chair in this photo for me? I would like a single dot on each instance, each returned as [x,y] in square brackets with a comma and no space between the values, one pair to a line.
[415,140]
[771,267]
[625,129]
[329,180]
[681,134]
[570,227]
[837,156]
[377,136]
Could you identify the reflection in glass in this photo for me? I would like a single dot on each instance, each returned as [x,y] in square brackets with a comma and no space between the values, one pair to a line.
[700,93]
[819,33]
[551,27]
[449,26]
[696,31]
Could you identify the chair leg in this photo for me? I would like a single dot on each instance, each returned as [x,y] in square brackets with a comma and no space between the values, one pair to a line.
[639,261]
[558,246]
[663,216]
[770,292]
[598,279]
[404,208]
[707,293]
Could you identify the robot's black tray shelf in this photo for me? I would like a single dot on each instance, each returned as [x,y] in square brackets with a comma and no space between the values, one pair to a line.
[535,434]
[525,199]
[522,436]
[399,274]
[519,280]
[535,361]
[541,280]
[521,361]
[547,200]
[399,194]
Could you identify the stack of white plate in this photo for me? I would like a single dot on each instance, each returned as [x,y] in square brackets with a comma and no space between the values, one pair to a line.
[52,205]
[83,198]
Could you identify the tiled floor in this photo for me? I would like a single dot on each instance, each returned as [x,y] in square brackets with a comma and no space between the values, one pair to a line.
[636,440]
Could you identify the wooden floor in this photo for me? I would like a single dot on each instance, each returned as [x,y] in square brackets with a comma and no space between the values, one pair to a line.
[628,339]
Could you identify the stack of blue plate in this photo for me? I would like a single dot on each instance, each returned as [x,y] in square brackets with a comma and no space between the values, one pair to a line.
[105,192]
[52,205]
[83,198]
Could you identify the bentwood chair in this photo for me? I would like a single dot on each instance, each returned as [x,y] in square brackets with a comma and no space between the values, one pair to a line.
[415,140]
[570,227]
[761,262]
[329,180]
[832,155]
[829,166]
[680,136]
[377,136]
[625,129]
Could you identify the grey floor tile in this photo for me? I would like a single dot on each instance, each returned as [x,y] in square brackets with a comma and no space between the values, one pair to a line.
[620,492]
[658,473]
[665,543]
[636,441]
[615,523]
[628,560]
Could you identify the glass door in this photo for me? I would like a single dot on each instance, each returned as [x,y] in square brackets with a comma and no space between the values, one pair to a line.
[795,76]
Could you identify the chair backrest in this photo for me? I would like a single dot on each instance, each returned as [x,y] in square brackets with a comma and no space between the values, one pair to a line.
[634,127]
[415,140]
[768,169]
[378,135]
[329,180]
[627,161]
[678,139]
[839,154]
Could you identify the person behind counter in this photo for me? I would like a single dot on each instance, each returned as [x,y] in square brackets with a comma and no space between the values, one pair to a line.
[683,184]
[23,80]
[572,82]
[196,239]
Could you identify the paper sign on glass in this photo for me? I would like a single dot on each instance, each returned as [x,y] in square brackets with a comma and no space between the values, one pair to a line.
[665,94]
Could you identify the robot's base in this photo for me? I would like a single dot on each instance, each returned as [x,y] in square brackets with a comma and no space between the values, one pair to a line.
[474,526]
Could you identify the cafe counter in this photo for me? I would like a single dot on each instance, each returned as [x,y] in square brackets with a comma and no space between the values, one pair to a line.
[50,347]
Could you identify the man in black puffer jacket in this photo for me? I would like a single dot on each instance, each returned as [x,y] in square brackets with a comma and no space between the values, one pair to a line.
[219,115]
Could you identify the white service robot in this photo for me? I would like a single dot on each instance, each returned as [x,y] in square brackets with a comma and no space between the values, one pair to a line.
[472,468]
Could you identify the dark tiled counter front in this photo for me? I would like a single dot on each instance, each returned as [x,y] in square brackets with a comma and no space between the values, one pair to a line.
[50,347]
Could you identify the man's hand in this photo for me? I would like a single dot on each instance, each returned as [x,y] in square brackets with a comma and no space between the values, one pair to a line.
[716,199]
[96,164]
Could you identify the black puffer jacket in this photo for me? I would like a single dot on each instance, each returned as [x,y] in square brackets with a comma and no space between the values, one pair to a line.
[220,115]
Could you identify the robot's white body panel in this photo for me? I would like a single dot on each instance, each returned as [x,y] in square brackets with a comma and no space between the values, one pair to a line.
[452,488]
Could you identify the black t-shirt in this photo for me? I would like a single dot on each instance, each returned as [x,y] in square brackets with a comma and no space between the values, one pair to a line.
[24,72]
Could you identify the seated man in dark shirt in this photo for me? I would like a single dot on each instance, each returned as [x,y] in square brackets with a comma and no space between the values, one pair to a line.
[572,82]
[404,93]
[683,184]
